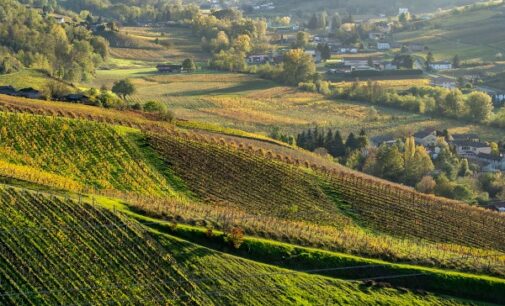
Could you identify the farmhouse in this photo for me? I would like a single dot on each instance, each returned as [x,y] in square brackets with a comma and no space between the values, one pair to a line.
[426,138]
[443,82]
[471,148]
[383,46]
[258,59]
[442,65]
[170,68]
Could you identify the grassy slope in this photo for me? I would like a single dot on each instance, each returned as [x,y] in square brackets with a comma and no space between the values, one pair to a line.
[471,35]
[76,253]
[27,78]
[90,155]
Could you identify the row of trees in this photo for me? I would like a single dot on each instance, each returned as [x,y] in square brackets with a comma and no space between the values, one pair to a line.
[475,106]
[331,142]
[30,39]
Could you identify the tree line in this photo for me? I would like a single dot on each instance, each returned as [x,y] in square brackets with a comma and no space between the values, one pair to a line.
[32,39]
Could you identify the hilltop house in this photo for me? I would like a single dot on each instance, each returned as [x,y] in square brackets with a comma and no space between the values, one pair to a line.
[442,65]
[426,138]
[169,68]
[471,149]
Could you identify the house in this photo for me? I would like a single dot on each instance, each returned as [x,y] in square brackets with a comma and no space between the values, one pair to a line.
[59,19]
[344,50]
[29,93]
[426,138]
[465,137]
[471,148]
[258,59]
[441,65]
[376,35]
[403,10]
[383,46]
[163,68]
[492,163]
[388,65]
[383,140]
[443,82]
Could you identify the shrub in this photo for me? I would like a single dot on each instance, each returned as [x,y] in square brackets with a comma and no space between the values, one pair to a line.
[236,237]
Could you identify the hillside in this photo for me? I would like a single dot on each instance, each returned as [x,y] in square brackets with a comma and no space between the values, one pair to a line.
[474,34]
[76,253]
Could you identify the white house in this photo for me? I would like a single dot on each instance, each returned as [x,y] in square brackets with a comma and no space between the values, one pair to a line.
[443,82]
[383,46]
[258,59]
[471,148]
[403,10]
[426,138]
[442,65]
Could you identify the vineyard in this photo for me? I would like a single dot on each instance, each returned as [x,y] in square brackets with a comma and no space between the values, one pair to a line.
[62,252]
[263,183]
[77,254]
[88,154]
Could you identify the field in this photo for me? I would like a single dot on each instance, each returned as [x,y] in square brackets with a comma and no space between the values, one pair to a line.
[218,180]
[26,78]
[254,105]
[175,45]
[91,255]
[471,35]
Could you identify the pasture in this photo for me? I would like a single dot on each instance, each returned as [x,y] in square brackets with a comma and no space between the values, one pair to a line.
[255,105]
[471,35]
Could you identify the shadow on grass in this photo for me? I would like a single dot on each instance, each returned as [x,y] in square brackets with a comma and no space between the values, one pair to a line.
[240,88]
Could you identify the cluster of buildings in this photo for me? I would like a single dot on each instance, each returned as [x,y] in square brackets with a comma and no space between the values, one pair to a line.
[468,146]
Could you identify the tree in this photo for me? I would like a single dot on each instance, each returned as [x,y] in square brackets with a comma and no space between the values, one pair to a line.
[236,237]
[313,22]
[189,65]
[336,22]
[302,39]
[464,169]
[298,66]
[390,164]
[123,88]
[429,60]
[456,63]
[426,185]
[454,104]
[480,106]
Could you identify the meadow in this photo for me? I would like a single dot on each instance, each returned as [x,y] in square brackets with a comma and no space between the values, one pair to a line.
[248,103]
[475,35]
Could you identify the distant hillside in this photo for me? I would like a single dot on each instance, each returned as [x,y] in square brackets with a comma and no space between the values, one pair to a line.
[471,35]
[361,7]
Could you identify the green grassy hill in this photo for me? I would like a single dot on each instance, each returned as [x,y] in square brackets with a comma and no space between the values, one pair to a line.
[76,155]
[76,253]
[471,35]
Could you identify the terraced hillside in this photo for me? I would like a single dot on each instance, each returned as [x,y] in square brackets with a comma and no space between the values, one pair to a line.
[75,253]
[62,252]
[75,155]
[263,183]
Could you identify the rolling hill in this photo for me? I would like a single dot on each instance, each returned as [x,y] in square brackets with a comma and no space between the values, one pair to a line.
[476,35]
[203,178]
[57,251]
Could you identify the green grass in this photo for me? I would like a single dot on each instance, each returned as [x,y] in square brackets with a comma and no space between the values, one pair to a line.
[77,155]
[36,79]
[77,253]
[471,35]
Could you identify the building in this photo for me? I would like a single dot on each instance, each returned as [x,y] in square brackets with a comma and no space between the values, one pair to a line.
[383,140]
[169,68]
[383,46]
[258,59]
[442,65]
[443,82]
[388,65]
[403,10]
[491,163]
[376,35]
[426,138]
[471,148]
[465,137]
